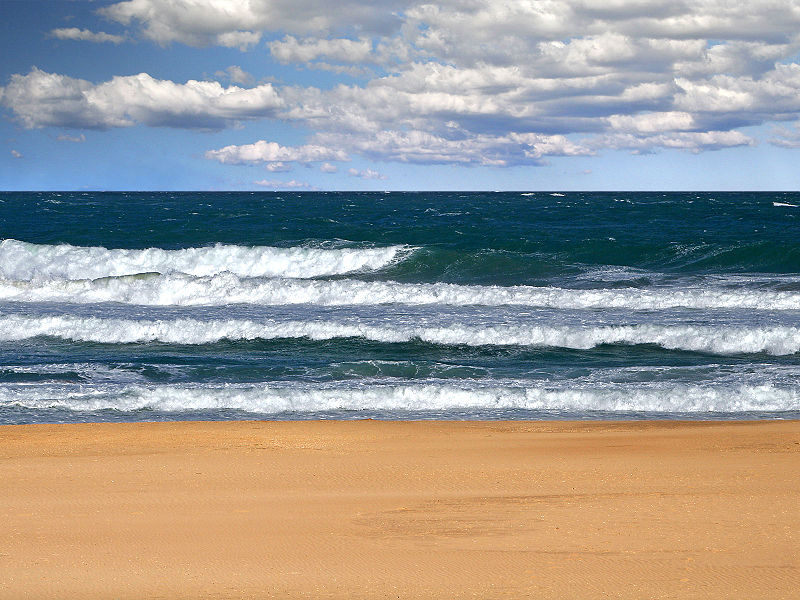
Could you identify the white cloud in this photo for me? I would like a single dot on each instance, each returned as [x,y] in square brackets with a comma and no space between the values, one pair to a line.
[290,49]
[652,122]
[16,154]
[230,22]
[328,168]
[425,148]
[41,99]
[73,33]
[365,174]
[497,100]
[497,32]
[284,185]
[197,23]
[777,91]
[235,74]
[278,167]
[464,82]
[71,138]
[271,152]
[691,141]
[242,40]
[734,58]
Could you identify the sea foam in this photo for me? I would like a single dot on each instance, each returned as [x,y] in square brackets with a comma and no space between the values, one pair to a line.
[776,340]
[431,396]
[178,289]
[22,261]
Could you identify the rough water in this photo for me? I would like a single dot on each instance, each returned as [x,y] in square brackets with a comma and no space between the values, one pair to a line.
[196,305]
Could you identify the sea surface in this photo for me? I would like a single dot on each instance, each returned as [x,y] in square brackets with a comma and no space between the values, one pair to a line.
[340,305]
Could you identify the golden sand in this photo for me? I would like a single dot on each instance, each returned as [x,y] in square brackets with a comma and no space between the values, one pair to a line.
[400,510]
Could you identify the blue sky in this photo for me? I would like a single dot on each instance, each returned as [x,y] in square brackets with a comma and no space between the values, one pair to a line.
[400,95]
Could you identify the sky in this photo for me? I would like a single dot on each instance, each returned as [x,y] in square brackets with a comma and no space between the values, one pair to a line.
[400,95]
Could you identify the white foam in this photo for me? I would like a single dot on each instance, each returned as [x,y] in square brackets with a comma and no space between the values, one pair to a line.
[21,261]
[177,289]
[776,340]
[277,398]
[784,204]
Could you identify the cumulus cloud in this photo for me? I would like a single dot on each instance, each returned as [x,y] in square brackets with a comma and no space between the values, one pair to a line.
[484,100]
[652,122]
[365,174]
[203,23]
[328,168]
[274,154]
[490,82]
[41,99]
[74,33]
[290,50]
[773,93]
[16,154]
[611,32]
[235,74]
[242,40]
[424,148]
[234,23]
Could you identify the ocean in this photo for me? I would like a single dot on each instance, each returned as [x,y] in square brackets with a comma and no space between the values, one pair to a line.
[147,306]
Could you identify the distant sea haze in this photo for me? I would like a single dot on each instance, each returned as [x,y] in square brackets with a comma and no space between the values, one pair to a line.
[348,305]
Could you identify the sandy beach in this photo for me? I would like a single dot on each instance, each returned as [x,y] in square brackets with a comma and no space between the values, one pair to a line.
[400,510]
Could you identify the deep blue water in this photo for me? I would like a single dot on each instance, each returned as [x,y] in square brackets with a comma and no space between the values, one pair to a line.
[196,305]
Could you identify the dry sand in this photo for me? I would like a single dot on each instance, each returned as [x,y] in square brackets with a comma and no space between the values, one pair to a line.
[400,510]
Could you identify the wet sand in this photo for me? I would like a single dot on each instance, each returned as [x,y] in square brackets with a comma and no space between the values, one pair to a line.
[400,510]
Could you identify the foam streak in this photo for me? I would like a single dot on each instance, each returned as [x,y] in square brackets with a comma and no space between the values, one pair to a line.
[717,340]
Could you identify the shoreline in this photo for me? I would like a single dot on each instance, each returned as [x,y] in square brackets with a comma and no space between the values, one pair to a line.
[410,509]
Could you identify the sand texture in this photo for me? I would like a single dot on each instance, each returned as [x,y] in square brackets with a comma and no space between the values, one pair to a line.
[400,510]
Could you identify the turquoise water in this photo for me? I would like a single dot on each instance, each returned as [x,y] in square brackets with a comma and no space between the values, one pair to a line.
[151,306]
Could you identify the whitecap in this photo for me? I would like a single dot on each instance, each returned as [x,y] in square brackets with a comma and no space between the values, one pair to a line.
[776,340]
[177,289]
[24,261]
[272,398]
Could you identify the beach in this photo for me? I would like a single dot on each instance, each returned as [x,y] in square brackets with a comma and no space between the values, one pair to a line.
[432,301]
[371,509]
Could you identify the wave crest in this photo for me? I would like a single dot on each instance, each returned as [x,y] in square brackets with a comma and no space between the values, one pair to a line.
[778,340]
[22,261]
[434,396]
[177,289]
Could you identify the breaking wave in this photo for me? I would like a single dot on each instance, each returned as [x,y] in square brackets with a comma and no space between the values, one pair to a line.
[776,340]
[22,261]
[432,396]
[178,289]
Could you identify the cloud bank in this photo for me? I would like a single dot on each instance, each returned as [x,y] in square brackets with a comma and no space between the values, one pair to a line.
[465,82]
